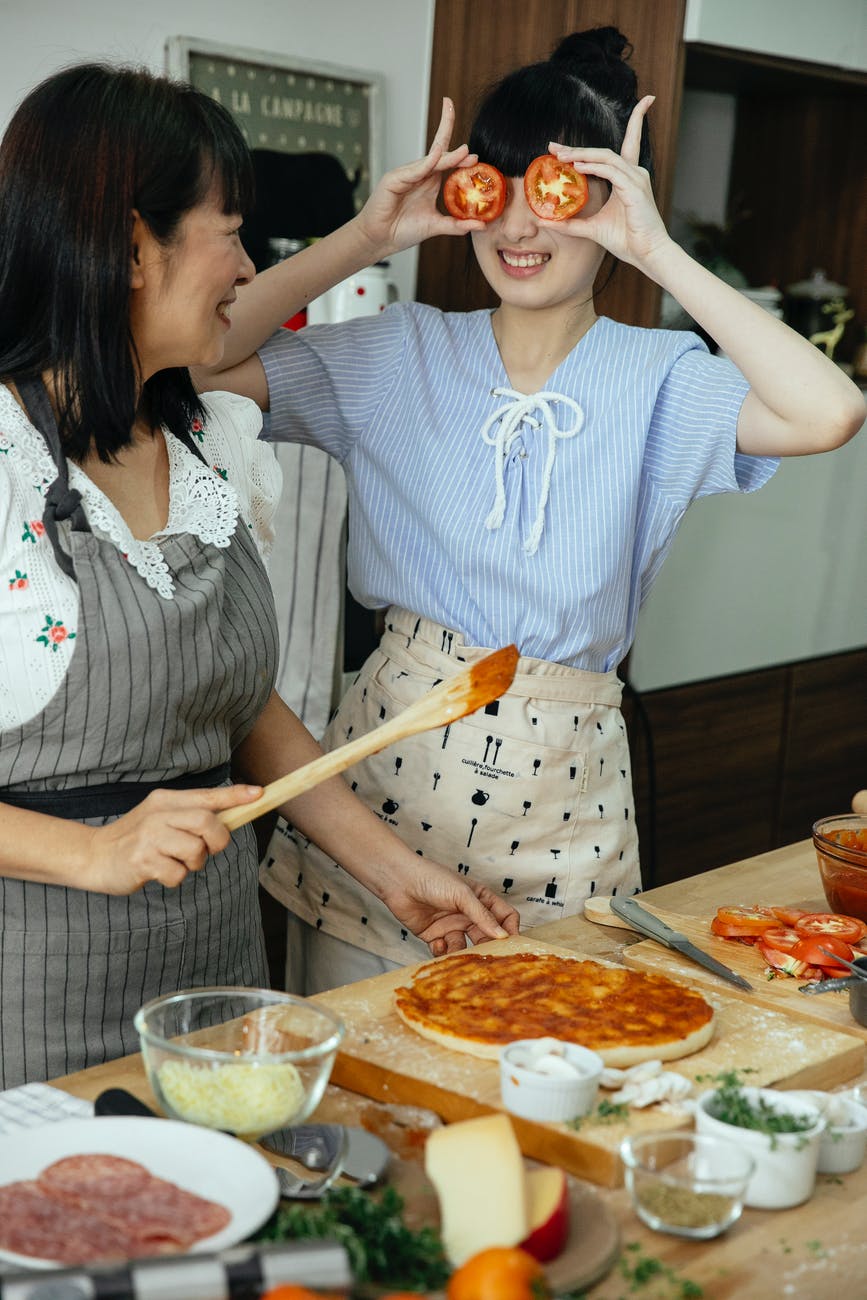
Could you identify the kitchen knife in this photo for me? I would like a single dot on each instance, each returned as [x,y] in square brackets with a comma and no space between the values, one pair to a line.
[646,923]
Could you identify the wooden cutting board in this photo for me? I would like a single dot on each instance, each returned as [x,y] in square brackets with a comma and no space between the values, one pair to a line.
[828,1009]
[382,1058]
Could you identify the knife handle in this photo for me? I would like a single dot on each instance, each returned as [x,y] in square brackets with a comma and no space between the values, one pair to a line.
[643,921]
[597,908]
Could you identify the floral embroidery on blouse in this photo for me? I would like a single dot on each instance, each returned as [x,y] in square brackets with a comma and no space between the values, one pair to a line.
[54,633]
[33,529]
[223,473]
[19,582]
[197,429]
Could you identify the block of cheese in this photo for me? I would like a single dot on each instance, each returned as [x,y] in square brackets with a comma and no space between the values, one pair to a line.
[477,1171]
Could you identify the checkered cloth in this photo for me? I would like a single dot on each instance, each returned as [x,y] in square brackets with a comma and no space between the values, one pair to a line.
[35,1104]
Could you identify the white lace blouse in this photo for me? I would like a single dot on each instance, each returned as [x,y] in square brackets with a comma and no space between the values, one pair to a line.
[39,603]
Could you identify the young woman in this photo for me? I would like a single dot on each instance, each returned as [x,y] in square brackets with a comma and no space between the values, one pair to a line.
[137,638]
[519,476]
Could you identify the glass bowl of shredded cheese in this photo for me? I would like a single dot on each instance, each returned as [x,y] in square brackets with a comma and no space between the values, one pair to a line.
[246,1061]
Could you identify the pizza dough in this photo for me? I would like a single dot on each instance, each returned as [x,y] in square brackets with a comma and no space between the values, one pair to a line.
[477,1003]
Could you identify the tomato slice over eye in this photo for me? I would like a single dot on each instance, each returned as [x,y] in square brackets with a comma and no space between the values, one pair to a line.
[848,928]
[477,192]
[554,189]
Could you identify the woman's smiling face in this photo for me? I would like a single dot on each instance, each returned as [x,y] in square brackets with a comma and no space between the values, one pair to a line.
[182,294]
[534,264]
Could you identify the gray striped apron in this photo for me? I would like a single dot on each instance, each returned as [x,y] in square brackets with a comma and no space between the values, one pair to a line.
[159,692]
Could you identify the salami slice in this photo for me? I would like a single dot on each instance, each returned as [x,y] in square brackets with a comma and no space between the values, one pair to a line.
[31,1223]
[104,1175]
[97,1207]
[150,1211]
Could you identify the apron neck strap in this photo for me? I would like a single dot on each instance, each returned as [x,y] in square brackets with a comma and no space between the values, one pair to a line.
[61,501]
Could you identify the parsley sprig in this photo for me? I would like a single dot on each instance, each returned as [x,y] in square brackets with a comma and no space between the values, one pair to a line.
[731,1105]
[381,1247]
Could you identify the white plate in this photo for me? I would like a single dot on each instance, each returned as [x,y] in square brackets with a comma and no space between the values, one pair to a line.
[200,1160]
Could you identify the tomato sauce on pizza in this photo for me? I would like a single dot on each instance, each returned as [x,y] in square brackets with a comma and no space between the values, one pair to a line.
[477,1003]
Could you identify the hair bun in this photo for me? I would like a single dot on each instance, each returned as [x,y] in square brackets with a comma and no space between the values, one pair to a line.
[598,55]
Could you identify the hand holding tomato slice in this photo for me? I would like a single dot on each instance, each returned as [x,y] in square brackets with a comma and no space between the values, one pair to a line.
[628,224]
[477,192]
[402,209]
[554,189]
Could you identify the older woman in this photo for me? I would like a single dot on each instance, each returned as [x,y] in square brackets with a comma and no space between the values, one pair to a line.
[137,639]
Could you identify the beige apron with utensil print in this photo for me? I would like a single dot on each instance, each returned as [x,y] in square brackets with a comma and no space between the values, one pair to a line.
[531,795]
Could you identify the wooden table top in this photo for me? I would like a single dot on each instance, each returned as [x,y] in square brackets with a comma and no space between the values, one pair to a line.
[811,1252]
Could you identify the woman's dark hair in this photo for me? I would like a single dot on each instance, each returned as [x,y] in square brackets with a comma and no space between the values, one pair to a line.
[583,95]
[84,149]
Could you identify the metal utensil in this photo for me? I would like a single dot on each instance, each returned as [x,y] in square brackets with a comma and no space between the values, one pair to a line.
[467,691]
[858,972]
[352,1151]
[648,924]
[830,986]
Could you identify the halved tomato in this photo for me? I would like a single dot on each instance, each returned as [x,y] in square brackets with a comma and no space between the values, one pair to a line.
[782,938]
[477,192]
[821,949]
[554,189]
[848,928]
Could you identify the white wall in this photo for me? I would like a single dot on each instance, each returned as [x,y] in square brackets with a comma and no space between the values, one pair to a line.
[391,37]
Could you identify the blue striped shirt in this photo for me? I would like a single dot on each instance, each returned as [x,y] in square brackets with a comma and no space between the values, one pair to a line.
[401,400]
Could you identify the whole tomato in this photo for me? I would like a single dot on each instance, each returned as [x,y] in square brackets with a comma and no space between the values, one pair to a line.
[500,1273]
[289,1291]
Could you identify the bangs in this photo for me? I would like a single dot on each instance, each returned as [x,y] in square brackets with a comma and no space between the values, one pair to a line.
[533,106]
[225,160]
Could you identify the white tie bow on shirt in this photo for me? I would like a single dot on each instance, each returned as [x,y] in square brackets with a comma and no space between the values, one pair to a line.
[517,411]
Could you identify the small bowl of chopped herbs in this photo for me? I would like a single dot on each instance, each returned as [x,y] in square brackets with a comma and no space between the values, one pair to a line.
[687,1184]
[781,1132]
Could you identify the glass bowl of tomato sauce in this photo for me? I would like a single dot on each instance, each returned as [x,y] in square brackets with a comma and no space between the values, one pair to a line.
[841,850]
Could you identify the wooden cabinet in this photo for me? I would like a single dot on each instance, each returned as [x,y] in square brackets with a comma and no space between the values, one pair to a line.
[728,768]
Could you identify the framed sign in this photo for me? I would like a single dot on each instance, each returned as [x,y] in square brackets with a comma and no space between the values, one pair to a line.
[288,105]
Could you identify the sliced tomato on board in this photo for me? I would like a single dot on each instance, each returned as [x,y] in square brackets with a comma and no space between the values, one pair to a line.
[787,963]
[741,922]
[788,915]
[782,938]
[832,924]
[820,950]
[477,192]
[554,189]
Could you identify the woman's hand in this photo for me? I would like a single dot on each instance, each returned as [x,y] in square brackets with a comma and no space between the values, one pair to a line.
[169,834]
[445,911]
[402,210]
[628,224]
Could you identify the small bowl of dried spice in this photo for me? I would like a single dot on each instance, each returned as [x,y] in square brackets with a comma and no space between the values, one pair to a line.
[688,1184]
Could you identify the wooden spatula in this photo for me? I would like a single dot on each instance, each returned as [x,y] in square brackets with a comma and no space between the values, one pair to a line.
[452,699]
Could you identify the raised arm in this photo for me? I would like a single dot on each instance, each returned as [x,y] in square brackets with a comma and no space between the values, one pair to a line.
[799,401]
[400,213]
